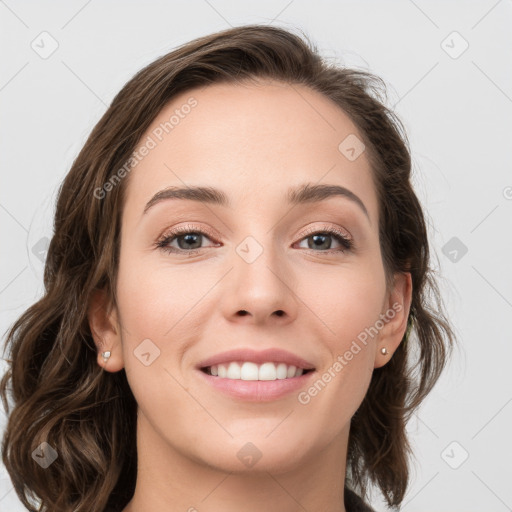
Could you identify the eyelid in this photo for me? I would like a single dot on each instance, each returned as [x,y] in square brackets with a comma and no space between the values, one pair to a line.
[326,228]
[175,231]
[344,238]
[171,233]
[309,231]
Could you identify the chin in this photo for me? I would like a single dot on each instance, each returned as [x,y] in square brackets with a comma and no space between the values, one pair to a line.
[259,455]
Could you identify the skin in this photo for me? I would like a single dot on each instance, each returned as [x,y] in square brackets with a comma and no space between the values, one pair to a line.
[252,141]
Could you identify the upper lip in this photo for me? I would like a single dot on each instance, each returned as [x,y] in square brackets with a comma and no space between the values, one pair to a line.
[273,355]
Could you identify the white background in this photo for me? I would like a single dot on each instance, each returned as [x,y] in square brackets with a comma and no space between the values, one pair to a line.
[458,114]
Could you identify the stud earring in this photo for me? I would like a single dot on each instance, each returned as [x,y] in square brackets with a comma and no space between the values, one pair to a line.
[106,355]
[383,351]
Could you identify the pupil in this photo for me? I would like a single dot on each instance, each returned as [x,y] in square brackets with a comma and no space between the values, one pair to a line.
[322,241]
[189,239]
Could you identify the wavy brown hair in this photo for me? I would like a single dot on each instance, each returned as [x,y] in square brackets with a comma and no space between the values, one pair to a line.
[60,395]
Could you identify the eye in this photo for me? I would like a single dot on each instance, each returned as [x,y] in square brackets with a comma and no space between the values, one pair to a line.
[323,240]
[187,238]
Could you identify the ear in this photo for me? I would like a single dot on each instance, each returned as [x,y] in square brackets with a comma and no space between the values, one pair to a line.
[106,331]
[395,315]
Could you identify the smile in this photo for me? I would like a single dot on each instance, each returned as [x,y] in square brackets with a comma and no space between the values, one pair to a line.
[249,371]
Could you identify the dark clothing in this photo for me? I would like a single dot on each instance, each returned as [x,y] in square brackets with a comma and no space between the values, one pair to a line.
[353,503]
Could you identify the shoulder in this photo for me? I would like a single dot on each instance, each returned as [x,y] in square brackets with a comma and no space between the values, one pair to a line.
[353,503]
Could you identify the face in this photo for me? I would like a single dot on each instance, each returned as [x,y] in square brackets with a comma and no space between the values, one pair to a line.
[252,271]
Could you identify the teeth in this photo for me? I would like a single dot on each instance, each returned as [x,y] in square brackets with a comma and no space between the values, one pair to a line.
[252,371]
[290,372]
[233,371]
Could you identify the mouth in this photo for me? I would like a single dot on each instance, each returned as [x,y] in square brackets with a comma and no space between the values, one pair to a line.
[250,371]
[256,376]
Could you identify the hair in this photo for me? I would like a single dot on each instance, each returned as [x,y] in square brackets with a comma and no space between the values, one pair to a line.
[63,397]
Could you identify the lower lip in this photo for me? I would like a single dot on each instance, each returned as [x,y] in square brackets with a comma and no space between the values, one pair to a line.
[257,390]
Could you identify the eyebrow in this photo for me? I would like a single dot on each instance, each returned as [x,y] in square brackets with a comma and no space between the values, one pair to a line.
[306,193]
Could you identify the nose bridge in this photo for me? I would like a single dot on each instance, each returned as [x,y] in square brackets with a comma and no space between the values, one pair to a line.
[261,279]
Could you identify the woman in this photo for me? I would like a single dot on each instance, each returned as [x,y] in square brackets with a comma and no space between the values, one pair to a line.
[238,311]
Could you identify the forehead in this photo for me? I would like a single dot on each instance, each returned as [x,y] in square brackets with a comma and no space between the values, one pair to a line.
[254,141]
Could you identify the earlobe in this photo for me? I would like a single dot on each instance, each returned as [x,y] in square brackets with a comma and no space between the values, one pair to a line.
[396,311]
[105,332]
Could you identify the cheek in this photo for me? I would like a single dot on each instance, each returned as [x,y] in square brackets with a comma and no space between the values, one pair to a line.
[347,307]
[154,297]
[154,309]
[348,311]
[346,301]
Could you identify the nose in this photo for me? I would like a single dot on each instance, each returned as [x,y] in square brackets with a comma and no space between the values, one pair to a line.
[260,291]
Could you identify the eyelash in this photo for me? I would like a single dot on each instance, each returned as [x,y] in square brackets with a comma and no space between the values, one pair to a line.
[346,243]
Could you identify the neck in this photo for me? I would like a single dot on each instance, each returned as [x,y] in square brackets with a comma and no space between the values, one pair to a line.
[170,481]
